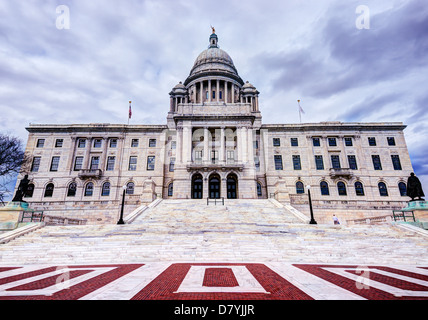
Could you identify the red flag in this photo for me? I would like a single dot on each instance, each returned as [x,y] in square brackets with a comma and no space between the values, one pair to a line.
[130,110]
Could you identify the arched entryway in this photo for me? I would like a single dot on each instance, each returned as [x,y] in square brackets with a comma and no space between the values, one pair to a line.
[232,186]
[214,186]
[197,186]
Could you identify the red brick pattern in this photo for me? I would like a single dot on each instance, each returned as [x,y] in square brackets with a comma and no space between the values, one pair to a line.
[219,277]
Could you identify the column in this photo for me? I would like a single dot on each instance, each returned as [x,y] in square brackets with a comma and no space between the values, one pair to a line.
[179,146]
[171,104]
[209,90]
[202,92]
[225,91]
[233,93]
[222,146]
[206,146]
[218,91]
[103,157]
[239,143]
[189,144]
[87,153]
[244,144]
[250,146]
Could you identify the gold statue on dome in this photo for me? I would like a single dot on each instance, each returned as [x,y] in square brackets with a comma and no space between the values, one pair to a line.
[213,29]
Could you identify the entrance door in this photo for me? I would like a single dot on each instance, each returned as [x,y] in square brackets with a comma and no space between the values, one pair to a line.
[214,187]
[232,187]
[197,185]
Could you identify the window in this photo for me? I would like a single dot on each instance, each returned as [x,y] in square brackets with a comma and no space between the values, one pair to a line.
[81,143]
[294,142]
[198,155]
[170,190]
[376,162]
[278,162]
[324,188]
[213,94]
[352,161]
[372,141]
[150,163]
[403,189]
[40,143]
[341,188]
[391,141]
[49,190]
[257,163]
[299,187]
[30,191]
[396,162]
[134,143]
[383,191]
[259,190]
[105,191]
[220,95]
[316,142]
[348,142]
[98,143]
[78,163]
[36,164]
[335,162]
[332,142]
[152,143]
[171,164]
[130,187]
[113,143]
[214,156]
[89,189]
[58,143]
[173,145]
[319,163]
[359,189]
[54,164]
[255,144]
[110,163]
[230,156]
[95,162]
[296,162]
[276,142]
[132,163]
[71,191]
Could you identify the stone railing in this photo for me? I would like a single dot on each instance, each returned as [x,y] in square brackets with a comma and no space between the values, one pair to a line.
[372,220]
[62,221]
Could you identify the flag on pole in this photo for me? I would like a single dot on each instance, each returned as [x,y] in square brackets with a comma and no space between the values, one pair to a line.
[300,111]
[130,110]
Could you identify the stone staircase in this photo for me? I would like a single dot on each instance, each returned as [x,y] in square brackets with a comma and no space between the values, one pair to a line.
[239,231]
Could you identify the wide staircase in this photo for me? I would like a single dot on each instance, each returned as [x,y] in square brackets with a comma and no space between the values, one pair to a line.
[238,231]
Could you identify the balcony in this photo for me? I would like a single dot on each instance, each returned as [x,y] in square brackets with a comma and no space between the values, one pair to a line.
[90,174]
[215,165]
[341,172]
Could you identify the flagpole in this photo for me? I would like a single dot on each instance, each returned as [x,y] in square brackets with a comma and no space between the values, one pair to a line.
[130,112]
[300,111]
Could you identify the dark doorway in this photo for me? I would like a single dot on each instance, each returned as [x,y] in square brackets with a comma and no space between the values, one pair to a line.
[232,186]
[214,186]
[197,185]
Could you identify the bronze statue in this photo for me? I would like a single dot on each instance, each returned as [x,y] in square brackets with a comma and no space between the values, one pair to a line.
[414,188]
[22,190]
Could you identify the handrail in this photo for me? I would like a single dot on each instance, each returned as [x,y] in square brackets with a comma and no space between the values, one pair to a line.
[403,215]
[36,216]
[215,200]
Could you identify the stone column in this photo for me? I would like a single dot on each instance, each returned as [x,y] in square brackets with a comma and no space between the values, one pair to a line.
[233,93]
[225,91]
[244,144]
[202,92]
[179,146]
[222,147]
[209,90]
[239,143]
[206,146]
[103,158]
[218,91]
[250,146]
[171,104]
[87,153]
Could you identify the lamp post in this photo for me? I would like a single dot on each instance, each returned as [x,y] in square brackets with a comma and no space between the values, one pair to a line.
[123,204]
[310,205]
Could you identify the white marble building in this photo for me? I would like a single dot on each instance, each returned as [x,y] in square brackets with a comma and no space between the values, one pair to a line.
[214,145]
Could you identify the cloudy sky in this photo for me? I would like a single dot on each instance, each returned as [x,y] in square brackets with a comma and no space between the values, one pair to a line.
[313,50]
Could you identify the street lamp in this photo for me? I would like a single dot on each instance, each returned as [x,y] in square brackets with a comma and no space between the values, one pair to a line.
[310,205]
[123,204]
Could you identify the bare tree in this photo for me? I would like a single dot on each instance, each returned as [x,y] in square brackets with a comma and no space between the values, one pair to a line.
[13,160]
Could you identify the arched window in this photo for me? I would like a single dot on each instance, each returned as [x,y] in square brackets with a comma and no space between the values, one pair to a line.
[130,188]
[359,189]
[299,187]
[49,190]
[324,188]
[89,189]
[105,192]
[171,189]
[259,189]
[71,191]
[30,191]
[383,191]
[341,188]
[403,189]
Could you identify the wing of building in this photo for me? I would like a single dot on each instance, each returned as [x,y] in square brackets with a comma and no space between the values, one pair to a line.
[214,145]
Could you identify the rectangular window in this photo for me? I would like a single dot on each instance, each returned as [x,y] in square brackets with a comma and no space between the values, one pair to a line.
[36,164]
[214,156]
[98,143]
[257,163]
[396,162]
[278,162]
[220,95]
[81,143]
[152,143]
[316,142]
[319,162]
[230,156]
[171,164]
[198,155]
[113,143]
[352,161]
[58,143]
[40,143]
[391,141]
[335,162]
[372,141]
[95,162]
[376,162]
[213,94]
[173,145]
[294,142]
[78,163]
[332,142]
[276,142]
[150,163]
[110,163]
[134,143]
[255,144]
[132,163]
[348,142]
[296,162]
[54,164]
